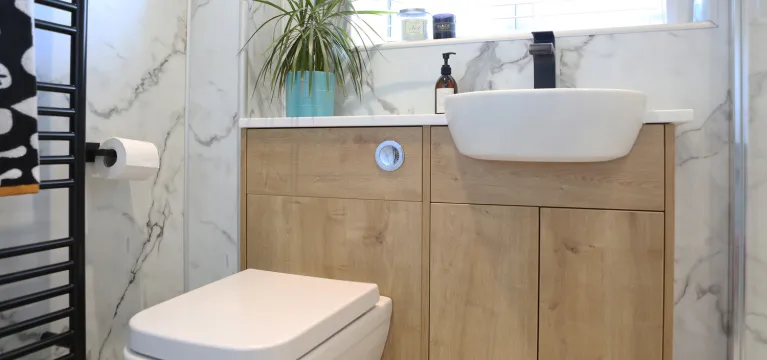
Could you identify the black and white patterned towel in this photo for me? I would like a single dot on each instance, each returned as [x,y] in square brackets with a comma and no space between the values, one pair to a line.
[19,159]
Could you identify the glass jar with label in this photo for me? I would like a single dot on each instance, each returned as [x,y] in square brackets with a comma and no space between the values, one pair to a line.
[444,26]
[415,24]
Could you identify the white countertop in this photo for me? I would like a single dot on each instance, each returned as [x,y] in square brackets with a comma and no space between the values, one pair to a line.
[345,121]
[653,117]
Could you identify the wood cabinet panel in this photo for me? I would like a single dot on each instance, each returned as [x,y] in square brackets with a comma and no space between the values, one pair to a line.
[462,267]
[357,240]
[670,214]
[601,285]
[634,182]
[332,162]
[484,282]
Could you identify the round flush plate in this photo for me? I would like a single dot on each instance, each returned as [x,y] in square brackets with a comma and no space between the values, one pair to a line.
[389,155]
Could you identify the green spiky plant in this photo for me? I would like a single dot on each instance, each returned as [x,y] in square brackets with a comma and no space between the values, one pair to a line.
[315,38]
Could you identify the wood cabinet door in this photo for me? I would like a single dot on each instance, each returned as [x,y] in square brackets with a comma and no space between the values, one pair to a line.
[484,282]
[373,241]
[633,182]
[333,163]
[601,282]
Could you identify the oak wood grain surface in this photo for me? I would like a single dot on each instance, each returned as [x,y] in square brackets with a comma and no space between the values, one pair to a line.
[634,182]
[334,163]
[484,282]
[371,241]
[601,285]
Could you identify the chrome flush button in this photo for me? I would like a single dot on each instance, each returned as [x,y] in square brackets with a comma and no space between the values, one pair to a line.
[389,155]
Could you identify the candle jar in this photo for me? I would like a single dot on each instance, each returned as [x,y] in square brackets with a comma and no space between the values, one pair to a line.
[415,24]
[444,26]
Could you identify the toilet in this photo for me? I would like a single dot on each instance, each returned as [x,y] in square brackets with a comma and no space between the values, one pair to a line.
[262,315]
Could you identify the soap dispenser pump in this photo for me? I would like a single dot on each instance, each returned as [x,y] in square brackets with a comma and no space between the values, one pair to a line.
[446,85]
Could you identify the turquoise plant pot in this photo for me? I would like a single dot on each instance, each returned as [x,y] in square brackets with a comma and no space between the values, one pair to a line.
[300,101]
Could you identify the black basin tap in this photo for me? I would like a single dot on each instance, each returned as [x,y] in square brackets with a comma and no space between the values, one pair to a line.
[544,61]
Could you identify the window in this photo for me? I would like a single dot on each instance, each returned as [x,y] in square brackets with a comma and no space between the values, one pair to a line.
[482,18]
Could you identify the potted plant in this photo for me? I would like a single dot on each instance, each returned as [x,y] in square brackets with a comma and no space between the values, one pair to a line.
[315,53]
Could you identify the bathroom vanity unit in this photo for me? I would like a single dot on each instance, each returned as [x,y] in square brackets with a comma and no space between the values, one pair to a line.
[482,259]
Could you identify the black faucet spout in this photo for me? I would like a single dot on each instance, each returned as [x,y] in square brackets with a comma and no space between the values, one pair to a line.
[544,62]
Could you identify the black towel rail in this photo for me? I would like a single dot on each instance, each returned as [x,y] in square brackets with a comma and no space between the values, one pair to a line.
[73,337]
[52,111]
[56,136]
[57,88]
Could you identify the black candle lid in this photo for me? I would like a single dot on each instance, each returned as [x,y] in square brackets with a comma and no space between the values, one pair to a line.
[444,18]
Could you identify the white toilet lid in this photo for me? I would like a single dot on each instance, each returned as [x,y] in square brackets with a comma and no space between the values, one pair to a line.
[252,315]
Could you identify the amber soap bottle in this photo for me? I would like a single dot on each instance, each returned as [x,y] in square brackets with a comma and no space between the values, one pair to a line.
[446,85]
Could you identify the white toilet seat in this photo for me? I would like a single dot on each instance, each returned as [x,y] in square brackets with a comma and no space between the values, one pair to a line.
[260,315]
[362,339]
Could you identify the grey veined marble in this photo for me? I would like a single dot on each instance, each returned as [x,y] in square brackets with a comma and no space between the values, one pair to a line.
[134,242]
[756,258]
[136,89]
[213,142]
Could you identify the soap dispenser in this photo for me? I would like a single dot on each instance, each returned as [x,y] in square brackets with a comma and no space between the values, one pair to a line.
[446,85]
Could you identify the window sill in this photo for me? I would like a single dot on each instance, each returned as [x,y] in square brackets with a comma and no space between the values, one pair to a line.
[559,34]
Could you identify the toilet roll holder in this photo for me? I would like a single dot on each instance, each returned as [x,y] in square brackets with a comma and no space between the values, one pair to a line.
[93,149]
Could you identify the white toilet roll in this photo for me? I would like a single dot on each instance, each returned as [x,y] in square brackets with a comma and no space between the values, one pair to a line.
[136,160]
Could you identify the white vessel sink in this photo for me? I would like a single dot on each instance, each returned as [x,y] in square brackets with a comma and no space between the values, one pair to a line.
[547,125]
